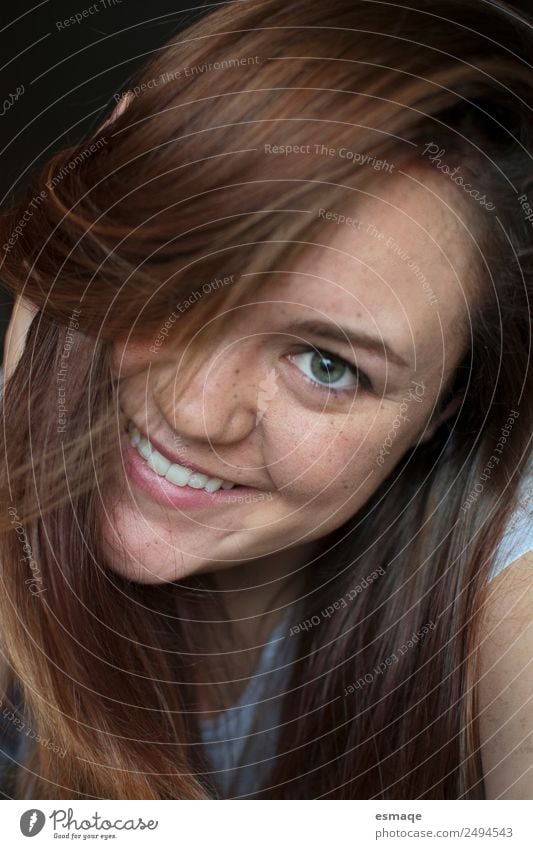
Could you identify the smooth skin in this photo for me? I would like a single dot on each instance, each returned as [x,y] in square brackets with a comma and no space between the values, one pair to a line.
[506,683]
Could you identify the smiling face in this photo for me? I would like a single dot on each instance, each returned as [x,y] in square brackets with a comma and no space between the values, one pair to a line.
[307,400]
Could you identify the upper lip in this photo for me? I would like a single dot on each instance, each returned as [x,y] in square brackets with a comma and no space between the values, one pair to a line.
[180,459]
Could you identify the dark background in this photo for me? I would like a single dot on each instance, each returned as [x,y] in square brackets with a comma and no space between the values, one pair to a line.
[70,74]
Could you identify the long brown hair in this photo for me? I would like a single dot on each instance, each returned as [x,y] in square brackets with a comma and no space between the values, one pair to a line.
[179,190]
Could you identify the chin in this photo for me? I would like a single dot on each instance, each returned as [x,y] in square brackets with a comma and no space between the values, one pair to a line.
[153,558]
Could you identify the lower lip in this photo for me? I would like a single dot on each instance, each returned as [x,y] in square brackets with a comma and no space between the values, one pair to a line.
[184,497]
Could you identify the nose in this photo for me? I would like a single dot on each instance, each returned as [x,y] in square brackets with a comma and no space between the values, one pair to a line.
[217,399]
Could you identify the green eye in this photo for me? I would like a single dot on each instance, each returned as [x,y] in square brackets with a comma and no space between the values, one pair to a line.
[328,370]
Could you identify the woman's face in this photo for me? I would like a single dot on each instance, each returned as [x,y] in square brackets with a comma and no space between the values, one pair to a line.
[294,404]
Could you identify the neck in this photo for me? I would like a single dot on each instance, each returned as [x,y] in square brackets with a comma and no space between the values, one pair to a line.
[256,592]
[255,595]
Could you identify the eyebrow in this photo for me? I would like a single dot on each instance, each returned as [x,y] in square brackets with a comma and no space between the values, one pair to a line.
[359,338]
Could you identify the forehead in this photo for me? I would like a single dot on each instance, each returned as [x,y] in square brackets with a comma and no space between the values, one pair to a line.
[402,263]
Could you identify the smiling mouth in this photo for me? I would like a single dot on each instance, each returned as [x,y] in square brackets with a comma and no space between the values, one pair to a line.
[175,473]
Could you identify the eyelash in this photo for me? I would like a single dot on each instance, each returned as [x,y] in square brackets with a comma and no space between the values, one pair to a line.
[362,378]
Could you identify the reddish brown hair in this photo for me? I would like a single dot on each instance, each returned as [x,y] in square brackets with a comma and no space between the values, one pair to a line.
[178,191]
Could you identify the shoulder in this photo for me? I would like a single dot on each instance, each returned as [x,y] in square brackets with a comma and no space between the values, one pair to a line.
[506,682]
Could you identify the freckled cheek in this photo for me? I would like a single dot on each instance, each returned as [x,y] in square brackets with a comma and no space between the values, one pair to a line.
[323,468]
[341,462]
[136,392]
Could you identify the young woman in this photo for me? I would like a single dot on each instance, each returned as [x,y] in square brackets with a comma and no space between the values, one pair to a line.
[267,436]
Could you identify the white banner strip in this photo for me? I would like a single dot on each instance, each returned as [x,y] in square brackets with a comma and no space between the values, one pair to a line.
[267,824]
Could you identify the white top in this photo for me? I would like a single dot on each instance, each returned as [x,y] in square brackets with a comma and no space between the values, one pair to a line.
[518,536]
[227,735]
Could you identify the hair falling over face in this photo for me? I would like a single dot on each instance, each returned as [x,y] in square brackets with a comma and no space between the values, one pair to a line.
[104,664]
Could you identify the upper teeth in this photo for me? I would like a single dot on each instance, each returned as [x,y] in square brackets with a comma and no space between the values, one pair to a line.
[173,472]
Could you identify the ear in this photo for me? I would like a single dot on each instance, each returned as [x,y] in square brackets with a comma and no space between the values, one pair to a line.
[439,417]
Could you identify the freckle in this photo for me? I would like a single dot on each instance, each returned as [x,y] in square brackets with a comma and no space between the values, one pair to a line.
[237,371]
